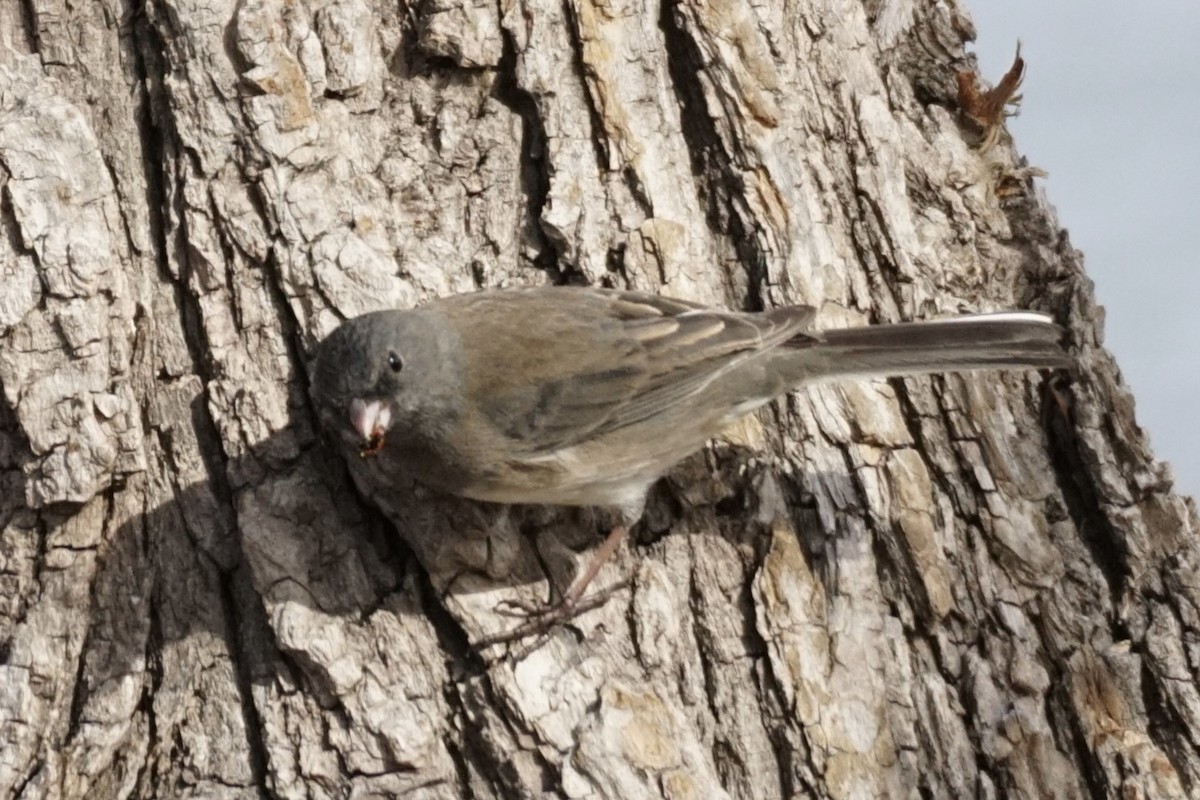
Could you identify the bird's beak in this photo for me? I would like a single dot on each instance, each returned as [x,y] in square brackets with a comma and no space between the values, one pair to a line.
[370,419]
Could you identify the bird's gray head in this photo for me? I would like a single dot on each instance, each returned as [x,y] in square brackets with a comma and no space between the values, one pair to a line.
[387,378]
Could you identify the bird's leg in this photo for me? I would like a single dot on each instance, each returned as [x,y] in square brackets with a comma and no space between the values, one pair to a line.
[602,554]
[539,620]
[570,598]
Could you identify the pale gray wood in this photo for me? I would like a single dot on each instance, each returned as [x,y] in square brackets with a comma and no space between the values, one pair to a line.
[969,586]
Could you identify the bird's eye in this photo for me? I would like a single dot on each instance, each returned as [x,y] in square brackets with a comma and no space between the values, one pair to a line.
[394,361]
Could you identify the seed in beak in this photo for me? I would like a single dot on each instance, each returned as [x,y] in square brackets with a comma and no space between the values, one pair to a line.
[370,419]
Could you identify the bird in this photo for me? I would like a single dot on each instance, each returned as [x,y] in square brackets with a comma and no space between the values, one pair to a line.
[586,396]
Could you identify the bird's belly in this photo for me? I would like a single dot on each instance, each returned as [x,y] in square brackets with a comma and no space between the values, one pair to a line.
[570,477]
[545,484]
[614,473]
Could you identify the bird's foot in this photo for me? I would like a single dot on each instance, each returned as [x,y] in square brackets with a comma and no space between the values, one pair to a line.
[540,620]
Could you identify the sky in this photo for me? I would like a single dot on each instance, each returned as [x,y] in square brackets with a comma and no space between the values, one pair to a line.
[1111,110]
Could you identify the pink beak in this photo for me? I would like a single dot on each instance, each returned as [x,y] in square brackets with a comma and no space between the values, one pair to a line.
[370,418]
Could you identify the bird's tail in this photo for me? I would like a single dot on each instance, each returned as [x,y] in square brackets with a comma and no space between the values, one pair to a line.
[1003,340]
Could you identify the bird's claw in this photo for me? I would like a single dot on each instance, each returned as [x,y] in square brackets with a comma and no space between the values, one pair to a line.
[528,610]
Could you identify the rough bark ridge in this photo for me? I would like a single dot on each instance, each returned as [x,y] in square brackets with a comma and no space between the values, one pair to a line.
[970,586]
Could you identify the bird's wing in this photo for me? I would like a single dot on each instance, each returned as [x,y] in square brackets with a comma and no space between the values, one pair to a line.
[589,362]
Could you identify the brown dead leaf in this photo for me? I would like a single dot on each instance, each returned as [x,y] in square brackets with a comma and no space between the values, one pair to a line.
[984,111]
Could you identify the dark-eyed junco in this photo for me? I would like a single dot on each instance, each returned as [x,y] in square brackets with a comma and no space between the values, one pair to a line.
[585,397]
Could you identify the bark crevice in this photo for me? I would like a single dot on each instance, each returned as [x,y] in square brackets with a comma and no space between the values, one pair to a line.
[238,598]
[535,152]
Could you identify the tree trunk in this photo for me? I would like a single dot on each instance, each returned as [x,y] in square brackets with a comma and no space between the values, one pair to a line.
[963,586]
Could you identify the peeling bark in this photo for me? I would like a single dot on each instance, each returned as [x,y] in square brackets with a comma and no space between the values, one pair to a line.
[960,586]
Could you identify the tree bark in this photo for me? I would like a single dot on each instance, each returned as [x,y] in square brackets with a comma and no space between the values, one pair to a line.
[963,586]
